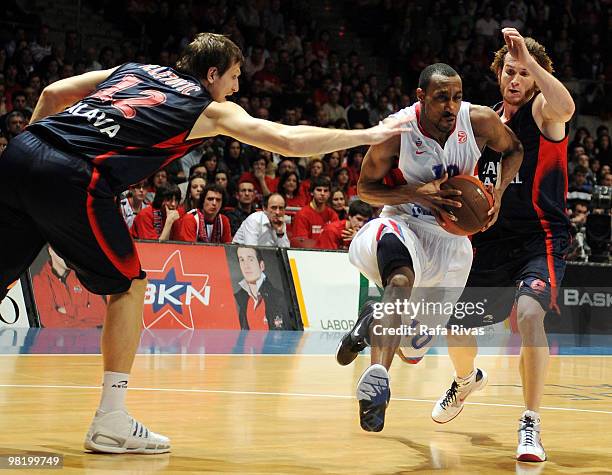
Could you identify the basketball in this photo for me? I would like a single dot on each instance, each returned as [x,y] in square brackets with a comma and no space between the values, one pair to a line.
[476,202]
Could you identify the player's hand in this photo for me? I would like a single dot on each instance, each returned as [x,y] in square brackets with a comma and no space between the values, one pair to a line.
[516,45]
[432,197]
[388,128]
[494,211]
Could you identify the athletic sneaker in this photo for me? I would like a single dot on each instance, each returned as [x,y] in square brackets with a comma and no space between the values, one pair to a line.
[373,394]
[356,340]
[451,404]
[529,442]
[117,432]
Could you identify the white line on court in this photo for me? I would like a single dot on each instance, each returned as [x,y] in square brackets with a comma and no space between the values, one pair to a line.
[330,355]
[265,393]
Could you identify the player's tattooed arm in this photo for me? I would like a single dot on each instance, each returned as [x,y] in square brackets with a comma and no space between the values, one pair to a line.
[65,92]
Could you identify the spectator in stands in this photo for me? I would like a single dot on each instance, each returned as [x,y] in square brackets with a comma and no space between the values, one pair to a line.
[155,222]
[339,234]
[20,103]
[245,205]
[160,178]
[311,219]
[333,162]
[289,188]
[15,124]
[487,26]
[338,201]
[222,180]
[261,306]
[606,180]
[3,144]
[133,203]
[341,180]
[357,112]
[205,223]
[195,187]
[333,108]
[267,227]
[604,152]
[589,146]
[254,63]
[210,160]
[316,168]
[264,185]
[579,213]
[579,181]
[284,165]
[234,158]
[381,111]
[353,163]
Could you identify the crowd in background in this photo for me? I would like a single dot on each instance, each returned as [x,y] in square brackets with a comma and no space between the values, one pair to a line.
[294,74]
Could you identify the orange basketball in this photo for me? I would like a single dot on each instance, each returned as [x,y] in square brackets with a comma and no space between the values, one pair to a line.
[476,202]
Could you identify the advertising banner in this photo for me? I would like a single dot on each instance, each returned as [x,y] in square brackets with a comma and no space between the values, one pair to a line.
[61,300]
[13,310]
[188,287]
[260,289]
[327,288]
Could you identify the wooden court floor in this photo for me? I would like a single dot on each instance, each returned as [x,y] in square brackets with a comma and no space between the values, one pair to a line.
[296,414]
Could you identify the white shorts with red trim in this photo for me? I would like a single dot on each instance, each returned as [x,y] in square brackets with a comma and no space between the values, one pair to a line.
[441,260]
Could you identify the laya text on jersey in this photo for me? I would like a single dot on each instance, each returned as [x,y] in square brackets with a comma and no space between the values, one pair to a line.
[96,117]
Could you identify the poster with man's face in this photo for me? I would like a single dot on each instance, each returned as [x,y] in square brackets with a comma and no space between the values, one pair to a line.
[261,289]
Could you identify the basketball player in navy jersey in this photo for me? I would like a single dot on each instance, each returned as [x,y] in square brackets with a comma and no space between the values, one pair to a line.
[526,247]
[93,135]
[407,250]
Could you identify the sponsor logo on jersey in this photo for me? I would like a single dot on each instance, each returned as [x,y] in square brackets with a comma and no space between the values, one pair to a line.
[461,136]
[418,142]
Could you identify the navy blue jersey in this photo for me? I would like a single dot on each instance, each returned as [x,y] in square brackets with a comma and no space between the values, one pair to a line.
[534,203]
[136,122]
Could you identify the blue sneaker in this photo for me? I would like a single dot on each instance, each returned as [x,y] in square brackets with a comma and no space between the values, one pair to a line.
[373,394]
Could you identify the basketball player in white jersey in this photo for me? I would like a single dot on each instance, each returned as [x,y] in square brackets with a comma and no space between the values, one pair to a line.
[407,247]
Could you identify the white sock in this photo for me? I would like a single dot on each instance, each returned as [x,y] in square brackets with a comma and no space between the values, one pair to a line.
[470,378]
[114,390]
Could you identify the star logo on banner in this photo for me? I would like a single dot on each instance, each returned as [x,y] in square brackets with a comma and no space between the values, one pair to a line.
[171,292]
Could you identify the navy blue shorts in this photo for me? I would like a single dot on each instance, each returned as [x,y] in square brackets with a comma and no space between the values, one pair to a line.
[49,196]
[530,266]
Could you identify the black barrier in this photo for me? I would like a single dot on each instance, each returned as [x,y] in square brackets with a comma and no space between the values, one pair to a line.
[585,301]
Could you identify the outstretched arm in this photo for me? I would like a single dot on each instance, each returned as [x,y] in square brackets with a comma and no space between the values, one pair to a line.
[227,118]
[65,92]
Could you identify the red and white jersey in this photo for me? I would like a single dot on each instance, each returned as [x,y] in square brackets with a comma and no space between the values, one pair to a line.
[422,159]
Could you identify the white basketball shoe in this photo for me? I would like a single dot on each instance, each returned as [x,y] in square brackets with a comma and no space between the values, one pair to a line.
[117,432]
[530,447]
[451,404]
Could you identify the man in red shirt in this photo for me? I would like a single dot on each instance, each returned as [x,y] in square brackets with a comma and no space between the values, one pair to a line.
[310,220]
[155,222]
[339,234]
[205,223]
